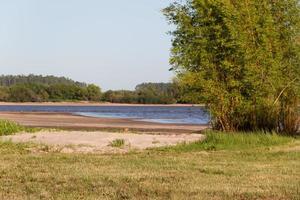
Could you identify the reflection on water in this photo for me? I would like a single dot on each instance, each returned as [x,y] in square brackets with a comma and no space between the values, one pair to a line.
[161,114]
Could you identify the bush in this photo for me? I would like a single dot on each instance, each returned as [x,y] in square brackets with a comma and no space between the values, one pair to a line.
[117,143]
[241,59]
[9,128]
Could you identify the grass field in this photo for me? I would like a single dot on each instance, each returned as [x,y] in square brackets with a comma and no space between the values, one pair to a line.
[223,167]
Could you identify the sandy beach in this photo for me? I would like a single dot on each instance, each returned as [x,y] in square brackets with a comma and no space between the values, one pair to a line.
[100,142]
[69,133]
[75,122]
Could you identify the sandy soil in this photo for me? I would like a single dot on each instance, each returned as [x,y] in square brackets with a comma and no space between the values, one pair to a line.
[100,142]
[74,122]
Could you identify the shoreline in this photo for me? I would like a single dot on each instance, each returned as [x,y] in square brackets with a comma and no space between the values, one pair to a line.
[84,103]
[71,121]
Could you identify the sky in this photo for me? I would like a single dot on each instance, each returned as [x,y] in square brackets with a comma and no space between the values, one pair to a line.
[114,44]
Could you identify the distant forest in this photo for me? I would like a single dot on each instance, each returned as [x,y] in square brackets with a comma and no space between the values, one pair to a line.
[10,80]
[33,88]
[145,93]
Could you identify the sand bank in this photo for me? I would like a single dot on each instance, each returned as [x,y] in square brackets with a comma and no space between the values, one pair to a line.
[100,142]
[75,122]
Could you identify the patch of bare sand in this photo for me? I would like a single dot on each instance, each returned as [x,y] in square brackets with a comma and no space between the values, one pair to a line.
[100,142]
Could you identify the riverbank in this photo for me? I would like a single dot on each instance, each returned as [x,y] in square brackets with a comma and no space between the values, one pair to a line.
[100,142]
[87,103]
[75,122]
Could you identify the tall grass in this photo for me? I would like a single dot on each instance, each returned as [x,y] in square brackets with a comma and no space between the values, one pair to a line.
[9,128]
[232,141]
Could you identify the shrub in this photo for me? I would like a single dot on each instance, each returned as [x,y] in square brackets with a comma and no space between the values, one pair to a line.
[9,128]
[117,143]
[242,57]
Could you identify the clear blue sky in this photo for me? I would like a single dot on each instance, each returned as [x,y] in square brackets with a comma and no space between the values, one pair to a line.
[115,44]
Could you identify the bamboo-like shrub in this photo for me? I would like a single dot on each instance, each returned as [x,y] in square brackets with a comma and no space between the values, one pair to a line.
[242,58]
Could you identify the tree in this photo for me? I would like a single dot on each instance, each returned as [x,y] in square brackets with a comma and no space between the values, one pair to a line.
[93,92]
[46,88]
[10,80]
[241,58]
[21,93]
[120,96]
[164,93]
[4,94]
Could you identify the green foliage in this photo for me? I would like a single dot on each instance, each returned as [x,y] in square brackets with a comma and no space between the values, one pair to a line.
[232,141]
[242,59]
[4,93]
[93,93]
[28,172]
[152,93]
[10,80]
[145,93]
[23,93]
[60,92]
[117,143]
[120,96]
[9,128]
[49,88]
[41,89]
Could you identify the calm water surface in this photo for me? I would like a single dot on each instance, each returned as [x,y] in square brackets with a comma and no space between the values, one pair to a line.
[161,114]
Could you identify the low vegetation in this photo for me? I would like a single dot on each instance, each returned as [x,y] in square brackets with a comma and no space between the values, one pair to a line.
[239,166]
[9,128]
[117,143]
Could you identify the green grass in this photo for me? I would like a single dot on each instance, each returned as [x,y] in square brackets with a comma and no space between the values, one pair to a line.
[9,128]
[229,167]
[232,141]
[118,143]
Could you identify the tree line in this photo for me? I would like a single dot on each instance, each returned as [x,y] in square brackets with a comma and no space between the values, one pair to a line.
[34,88]
[9,80]
[32,92]
[146,93]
